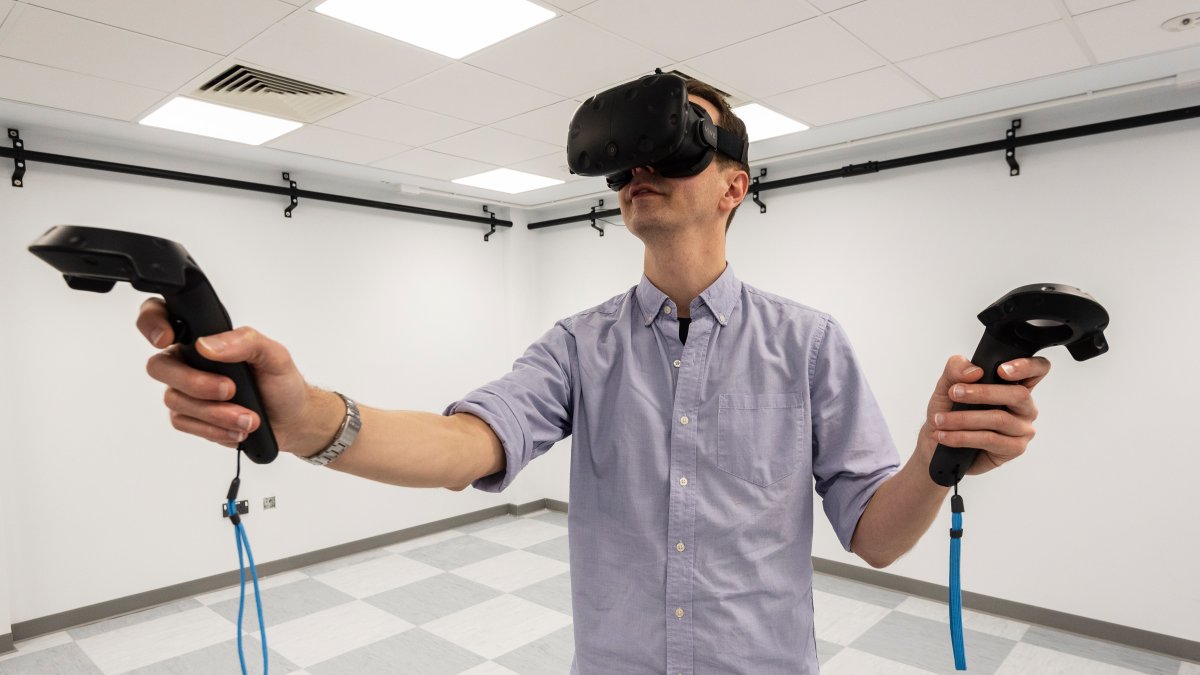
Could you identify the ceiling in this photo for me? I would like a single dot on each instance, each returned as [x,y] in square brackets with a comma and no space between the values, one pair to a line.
[852,70]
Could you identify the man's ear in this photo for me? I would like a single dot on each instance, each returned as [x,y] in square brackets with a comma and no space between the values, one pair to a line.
[738,186]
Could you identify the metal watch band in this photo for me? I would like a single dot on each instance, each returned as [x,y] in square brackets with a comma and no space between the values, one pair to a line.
[345,437]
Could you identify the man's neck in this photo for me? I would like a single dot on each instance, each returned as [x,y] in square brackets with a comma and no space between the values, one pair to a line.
[682,272]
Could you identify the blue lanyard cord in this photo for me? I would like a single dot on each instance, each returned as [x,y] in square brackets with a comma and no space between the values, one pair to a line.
[239,535]
[956,630]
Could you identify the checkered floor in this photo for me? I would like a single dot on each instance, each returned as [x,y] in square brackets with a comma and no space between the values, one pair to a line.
[430,607]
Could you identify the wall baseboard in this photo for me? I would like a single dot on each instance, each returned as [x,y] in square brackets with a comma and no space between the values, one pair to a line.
[1092,628]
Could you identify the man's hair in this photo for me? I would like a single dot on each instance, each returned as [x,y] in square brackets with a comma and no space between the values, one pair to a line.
[729,121]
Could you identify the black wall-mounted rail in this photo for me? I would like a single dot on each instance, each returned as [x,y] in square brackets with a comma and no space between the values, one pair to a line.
[1007,145]
[24,156]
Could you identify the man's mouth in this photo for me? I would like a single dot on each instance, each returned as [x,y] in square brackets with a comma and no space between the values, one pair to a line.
[642,190]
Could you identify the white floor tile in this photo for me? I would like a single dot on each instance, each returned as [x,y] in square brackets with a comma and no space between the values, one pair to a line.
[498,626]
[489,668]
[522,533]
[428,539]
[853,662]
[842,620]
[264,583]
[37,644]
[1026,658]
[323,635]
[976,621]
[377,575]
[156,640]
[511,571]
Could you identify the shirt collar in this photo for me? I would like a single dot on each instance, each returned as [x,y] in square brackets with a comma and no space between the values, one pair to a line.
[721,296]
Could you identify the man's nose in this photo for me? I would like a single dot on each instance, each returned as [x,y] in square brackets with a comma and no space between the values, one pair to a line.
[644,169]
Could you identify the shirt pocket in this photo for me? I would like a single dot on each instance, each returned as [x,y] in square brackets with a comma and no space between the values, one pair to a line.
[758,436]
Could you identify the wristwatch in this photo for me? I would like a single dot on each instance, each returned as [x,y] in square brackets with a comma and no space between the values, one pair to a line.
[345,436]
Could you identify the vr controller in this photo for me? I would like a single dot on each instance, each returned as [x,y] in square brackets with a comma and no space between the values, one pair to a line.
[95,259]
[1023,322]
[647,122]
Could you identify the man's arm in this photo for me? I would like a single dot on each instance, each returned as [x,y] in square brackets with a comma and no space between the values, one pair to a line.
[900,512]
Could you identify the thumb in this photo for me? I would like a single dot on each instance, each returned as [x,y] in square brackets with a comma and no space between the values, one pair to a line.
[958,369]
[245,344]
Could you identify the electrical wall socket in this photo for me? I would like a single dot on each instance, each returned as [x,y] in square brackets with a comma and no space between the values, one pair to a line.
[268,502]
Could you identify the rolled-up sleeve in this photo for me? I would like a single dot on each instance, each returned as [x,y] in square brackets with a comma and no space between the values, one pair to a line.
[853,451]
[529,409]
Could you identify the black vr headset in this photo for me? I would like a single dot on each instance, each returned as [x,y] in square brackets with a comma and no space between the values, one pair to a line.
[647,122]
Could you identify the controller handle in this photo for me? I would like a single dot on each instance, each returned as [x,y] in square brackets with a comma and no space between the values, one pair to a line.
[1023,322]
[95,259]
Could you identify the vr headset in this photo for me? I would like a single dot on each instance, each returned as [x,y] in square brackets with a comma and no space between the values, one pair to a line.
[647,122]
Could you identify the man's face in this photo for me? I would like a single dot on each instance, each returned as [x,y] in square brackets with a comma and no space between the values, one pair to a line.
[652,205]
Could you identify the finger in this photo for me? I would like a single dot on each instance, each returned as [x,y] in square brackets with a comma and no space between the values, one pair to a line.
[205,430]
[1002,448]
[168,367]
[246,344]
[1015,397]
[1027,371]
[227,416]
[956,370]
[999,421]
[153,323]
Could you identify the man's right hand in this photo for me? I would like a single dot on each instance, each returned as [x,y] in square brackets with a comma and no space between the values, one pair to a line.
[199,401]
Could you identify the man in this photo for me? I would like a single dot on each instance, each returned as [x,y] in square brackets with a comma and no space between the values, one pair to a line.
[700,408]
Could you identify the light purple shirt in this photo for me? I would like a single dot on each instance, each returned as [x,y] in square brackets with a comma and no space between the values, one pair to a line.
[692,468]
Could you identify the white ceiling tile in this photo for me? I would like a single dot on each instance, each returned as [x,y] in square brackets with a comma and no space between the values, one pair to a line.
[567,56]
[421,162]
[1081,6]
[469,93]
[548,124]
[569,5]
[5,7]
[1134,28]
[298,3]
[902,29]
[336,54]
[396,122]
[831,5]
[849,97]
[53,88]
[551,166]
[493,146]
[797,56]
[1025,55]
[218,26]
[311,139]
[697,26]
[69,43]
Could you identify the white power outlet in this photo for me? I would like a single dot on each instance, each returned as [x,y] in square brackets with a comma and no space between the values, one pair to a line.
[268,503]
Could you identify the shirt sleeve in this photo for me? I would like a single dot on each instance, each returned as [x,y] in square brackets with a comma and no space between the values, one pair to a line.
[853,451]
[529,409]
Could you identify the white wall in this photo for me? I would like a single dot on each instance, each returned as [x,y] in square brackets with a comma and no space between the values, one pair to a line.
[399,312]
[1099,517]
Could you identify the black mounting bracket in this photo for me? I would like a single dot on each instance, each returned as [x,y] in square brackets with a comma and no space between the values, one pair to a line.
[1010,151]
[493,215]
[18,177]
[858,169]
[594,225]
[762,173]
[287,213]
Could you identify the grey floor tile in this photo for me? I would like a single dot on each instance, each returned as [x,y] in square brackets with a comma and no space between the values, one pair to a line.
[1098,650]
[220,658]
[555,548]
[345,561]
[65,659]
[826,650]
[283,603]
[485,524]
[553,517]
[413,651]
[457,552]
[554,593]
[132,619]
[550,655]
[433,598]
[857,591]
[923,643]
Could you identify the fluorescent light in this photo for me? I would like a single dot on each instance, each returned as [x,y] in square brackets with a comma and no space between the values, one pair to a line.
[209,119]
[507,180]
[763,123]
[454,28]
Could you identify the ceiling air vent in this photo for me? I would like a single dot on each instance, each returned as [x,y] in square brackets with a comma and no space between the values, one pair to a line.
[269,94]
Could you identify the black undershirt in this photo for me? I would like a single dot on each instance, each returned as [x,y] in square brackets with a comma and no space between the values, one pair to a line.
[684,322]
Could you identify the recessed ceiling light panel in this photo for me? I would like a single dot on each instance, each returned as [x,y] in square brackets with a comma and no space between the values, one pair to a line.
[764,123]
[217,121]
[507,180]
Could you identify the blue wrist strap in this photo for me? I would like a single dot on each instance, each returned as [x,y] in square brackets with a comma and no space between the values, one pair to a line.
[956,629]
[239,535]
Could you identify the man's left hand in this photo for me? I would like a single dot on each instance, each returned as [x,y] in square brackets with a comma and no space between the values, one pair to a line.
[1001,434]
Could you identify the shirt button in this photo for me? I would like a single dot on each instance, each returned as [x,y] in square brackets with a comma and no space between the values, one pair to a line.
[666,310]
[679,547]
[678,363]
[683,481]
[683,420]
[679,613]
[722,318]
